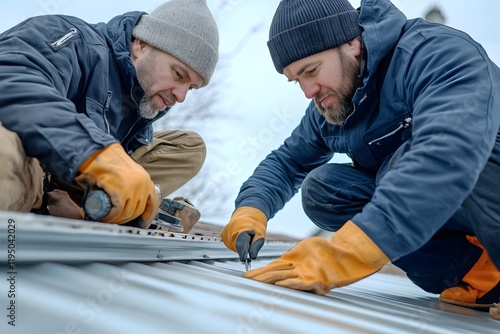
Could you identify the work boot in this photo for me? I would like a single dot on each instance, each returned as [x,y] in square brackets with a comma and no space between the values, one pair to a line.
[182,209]
[480,288]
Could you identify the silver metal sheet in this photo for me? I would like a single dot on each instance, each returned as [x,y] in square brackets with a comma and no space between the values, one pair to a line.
[212,297]
[205,296]
[44,238]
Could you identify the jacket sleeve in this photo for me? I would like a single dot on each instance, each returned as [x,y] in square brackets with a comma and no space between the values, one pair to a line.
[452,88]
[279,176]
[36,80]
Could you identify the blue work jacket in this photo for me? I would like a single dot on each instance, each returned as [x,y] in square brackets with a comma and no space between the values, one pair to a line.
[69,88]
[425,82]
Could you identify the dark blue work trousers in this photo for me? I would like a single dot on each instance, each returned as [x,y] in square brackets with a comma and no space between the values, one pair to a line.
[334,193]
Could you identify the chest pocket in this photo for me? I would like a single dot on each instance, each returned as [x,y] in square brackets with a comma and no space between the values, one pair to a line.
[385,138]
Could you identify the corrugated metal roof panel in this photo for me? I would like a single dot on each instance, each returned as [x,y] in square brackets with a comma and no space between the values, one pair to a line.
[197,297]
[210,296]
[44,238]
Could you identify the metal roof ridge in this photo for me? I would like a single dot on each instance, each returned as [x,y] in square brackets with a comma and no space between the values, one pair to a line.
[47,238]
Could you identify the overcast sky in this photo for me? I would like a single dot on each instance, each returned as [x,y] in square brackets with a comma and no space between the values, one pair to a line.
[266,107]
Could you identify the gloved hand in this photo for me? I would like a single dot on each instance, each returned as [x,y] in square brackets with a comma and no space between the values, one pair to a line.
[246,232]
[318,265]
[128,185]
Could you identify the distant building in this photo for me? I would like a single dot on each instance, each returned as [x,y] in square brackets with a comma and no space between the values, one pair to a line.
[435,15]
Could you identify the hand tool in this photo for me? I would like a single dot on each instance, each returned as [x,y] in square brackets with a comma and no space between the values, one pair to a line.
[174,215]
[96,204]
[179,208]
[247,262]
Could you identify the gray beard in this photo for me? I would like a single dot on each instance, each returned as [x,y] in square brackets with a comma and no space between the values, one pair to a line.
[147,109]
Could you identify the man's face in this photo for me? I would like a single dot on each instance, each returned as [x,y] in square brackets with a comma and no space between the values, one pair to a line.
[331,79]
[165,79]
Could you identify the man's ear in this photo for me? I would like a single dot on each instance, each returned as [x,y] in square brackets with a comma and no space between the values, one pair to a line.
[355,45]
[137,48]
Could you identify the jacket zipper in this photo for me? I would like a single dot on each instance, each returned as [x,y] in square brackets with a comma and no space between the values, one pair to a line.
[72,32]
[106,108]
[130,129]
[135,123]
[403,125]
[137,119]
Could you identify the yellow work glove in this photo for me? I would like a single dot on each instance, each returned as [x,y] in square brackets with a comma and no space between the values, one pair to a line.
[246,232]
[127,183]
[318,265]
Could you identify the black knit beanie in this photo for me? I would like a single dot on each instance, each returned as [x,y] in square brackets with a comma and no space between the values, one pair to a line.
[301,28]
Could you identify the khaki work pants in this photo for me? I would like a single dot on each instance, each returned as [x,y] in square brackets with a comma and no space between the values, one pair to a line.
[21,178]
[172,159]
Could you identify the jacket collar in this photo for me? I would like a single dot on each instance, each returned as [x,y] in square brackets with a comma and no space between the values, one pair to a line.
[382,24]
[118,34]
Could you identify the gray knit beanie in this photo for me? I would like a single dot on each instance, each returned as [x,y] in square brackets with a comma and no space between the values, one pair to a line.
[301,28]
[185,29]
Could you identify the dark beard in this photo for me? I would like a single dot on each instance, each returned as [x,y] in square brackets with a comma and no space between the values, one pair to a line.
[339,114]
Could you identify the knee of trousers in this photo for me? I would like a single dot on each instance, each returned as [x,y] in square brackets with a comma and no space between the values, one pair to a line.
[198,149]
[21,177]
[331,195]
[442,262]
[187,145]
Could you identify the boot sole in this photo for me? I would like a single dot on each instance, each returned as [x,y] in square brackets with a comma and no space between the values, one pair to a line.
[474,306]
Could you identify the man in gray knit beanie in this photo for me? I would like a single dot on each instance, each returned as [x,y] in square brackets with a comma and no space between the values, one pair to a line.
[395,95]
[186,30]
[82,110]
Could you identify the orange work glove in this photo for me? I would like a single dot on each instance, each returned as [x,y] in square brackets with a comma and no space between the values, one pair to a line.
[128,185]
[246,232]
[318,265]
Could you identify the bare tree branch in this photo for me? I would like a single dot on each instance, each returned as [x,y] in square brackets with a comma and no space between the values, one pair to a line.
[201,108]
